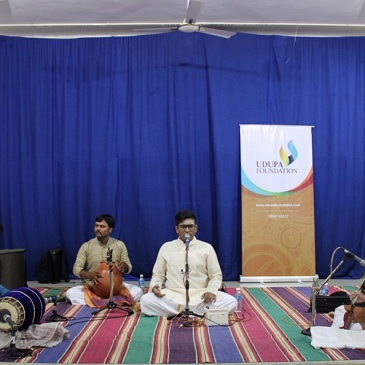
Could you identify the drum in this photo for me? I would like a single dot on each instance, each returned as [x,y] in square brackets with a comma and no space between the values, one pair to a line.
[102,289]
[25,307]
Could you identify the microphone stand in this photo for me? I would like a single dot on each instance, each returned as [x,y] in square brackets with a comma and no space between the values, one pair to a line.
[316,292]
[13,351]
[55,317]
[111,304]
[186,312]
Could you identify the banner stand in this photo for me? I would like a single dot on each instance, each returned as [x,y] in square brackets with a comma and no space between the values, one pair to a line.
[278,240]
[274,279]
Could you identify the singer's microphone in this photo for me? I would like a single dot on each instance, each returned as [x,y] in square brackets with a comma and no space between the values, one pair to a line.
[5,318]
[354,257]
[187,239]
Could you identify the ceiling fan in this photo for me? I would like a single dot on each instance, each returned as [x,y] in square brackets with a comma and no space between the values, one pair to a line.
[189,25]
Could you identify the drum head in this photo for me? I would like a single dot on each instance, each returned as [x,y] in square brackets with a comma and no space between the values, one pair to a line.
[25,307]
[15,310]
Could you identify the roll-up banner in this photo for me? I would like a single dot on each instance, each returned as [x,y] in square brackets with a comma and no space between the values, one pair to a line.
[277,201]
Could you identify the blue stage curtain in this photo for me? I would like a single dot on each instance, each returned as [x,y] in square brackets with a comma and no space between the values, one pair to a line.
[141,127]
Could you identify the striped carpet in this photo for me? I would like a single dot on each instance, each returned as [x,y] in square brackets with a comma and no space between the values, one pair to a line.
[269,330]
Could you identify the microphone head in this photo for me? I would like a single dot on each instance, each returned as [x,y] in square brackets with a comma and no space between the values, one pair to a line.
[187,237]
[3,314]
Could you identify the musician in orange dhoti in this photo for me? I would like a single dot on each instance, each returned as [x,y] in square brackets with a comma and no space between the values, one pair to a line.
[92,268]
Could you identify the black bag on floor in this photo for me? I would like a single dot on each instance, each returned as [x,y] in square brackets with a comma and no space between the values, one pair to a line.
[52,267]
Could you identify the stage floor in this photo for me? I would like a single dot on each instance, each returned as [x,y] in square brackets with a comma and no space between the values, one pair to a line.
[228,284]
[276,313]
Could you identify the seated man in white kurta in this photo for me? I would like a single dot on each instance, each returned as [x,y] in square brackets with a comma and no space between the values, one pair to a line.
[167,291]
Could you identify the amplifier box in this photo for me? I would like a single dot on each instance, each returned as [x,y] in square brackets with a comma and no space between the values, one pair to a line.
[328,303]
[216,316]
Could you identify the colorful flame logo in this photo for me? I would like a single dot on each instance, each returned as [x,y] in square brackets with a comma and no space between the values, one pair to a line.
[287,160]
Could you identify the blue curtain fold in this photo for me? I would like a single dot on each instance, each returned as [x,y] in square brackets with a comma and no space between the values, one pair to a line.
[141,127]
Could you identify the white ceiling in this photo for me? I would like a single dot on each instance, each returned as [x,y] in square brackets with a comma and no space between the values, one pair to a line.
[98,18]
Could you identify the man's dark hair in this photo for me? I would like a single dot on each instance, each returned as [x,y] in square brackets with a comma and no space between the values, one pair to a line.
[184,214]
[107,218]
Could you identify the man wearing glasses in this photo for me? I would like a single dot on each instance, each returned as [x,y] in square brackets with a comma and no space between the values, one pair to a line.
[186,271]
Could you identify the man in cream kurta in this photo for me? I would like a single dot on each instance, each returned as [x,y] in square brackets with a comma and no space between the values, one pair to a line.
[167,292]
[94,251]
[91,253]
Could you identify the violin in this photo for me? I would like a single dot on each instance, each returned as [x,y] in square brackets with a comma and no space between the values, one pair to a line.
[348,317]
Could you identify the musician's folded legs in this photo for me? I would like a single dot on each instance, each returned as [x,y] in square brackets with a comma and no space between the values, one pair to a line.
[136,291]
[75,295]
[154,306]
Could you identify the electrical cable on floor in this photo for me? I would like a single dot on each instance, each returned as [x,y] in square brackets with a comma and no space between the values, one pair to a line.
[91,319]
[197,322]
[55,317]
[242,319]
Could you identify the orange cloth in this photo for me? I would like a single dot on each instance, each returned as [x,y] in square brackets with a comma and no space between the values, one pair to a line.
[123,298]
